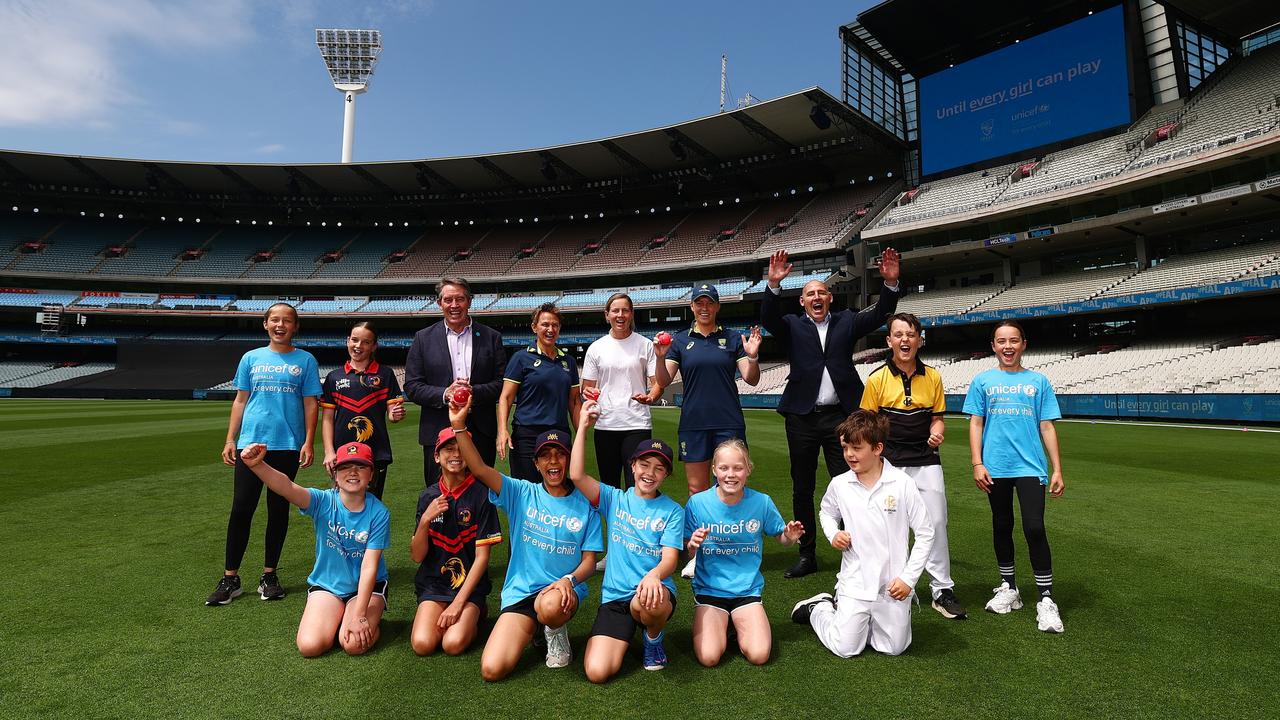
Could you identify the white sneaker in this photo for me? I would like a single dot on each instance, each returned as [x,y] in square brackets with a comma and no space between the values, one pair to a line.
[600,564]
[1047,617]
[1005,601]
[687,572]
[559,652]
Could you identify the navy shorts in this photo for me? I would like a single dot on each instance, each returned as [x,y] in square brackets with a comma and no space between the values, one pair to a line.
[614,619]
[724,603]
[379,590]
[699,445]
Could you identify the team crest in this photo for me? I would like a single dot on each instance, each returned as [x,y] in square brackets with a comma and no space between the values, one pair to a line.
[891,504]
[464,516]
[722,342]
[565,364]
[352,450]
[371,380]
[455,571]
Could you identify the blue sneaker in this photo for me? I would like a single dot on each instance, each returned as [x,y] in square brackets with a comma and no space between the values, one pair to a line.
[655,655]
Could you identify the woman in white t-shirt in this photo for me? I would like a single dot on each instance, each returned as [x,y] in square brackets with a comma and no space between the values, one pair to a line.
[620,366]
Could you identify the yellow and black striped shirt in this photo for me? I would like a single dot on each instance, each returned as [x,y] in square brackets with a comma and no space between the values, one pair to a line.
[910,404]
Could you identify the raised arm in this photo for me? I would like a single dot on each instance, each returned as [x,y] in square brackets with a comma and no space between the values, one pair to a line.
[491,478]
[771,315]
[587,485]
[749,364]
[874,315]
[278,482]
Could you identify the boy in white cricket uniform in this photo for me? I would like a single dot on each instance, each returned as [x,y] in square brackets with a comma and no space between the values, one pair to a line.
[878,505]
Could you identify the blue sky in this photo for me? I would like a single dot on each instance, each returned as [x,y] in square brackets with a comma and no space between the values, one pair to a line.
[242,81]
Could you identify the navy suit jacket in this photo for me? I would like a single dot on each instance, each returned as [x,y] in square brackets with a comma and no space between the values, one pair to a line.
[428,372]
[807,356]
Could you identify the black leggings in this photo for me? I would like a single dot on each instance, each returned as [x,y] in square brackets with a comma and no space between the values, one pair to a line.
[244,502]
[1031,502]
[613,450]
[379,481]
[524,437]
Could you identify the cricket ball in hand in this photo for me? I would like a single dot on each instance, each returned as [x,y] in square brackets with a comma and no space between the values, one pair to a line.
[592,394]
[663,338]
[461,396]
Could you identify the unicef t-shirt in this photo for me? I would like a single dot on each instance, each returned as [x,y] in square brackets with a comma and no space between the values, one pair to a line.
[1012,404]
[276,384]
[548,536]
[729,559]
[638,531]
[342,537]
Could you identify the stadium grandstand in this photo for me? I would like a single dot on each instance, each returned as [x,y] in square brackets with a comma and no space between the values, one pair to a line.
[1107,173]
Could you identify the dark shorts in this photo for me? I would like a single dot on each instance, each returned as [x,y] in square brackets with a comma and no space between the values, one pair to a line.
[614,619]
[524,607]
[699,445]
[726,604]
[435,594]
[379,589]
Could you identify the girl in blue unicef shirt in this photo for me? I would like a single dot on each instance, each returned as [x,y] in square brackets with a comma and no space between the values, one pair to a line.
[555,535]
[348,585]
[276,404]
[1011,412]
[725,527]
[645,537]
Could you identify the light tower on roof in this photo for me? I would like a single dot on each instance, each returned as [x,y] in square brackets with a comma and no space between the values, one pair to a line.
[350,56]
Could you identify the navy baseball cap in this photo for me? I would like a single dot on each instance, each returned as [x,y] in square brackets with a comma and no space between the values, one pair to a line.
[654,447]
[551,438]
[705,290]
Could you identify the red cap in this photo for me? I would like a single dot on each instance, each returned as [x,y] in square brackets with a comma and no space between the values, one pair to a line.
[354,452]
[446,435]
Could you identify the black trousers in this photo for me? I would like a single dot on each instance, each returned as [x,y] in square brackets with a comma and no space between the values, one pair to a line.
[485,444]
[807,435]
[524,437]
[244,502]
[613,450]
[379,482]
[1031,501]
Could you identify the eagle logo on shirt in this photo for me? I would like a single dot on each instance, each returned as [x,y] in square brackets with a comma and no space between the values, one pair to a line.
[363,427]
[455,571]
[464,516]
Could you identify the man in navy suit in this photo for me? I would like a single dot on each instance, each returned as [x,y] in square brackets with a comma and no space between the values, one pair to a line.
[455,352]
[823,387]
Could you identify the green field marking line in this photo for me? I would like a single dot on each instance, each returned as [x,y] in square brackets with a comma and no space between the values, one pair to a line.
[75,434]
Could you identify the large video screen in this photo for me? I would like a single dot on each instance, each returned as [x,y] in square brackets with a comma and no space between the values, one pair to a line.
[1055,86]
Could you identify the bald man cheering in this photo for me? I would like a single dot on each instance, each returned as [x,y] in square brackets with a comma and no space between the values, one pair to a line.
[823,387]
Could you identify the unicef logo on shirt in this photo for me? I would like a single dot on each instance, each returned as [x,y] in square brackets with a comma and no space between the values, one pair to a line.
[659,524]
[753,526]
[573,524]
[295,370]
[362,537]
[1030,391]
[531,512]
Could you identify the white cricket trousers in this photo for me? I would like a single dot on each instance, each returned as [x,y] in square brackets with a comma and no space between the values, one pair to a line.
[929,480]
[845,630]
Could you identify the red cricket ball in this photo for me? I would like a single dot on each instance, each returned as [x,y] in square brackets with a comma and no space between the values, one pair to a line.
[461,396]
[664,338]
[592,394]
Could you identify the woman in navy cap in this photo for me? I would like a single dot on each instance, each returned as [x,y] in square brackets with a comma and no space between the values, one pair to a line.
[708,359]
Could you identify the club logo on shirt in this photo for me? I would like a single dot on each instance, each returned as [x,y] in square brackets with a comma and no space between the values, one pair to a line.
[722,343]
[753,526]
[342,384]
[464,516]
[363,427]
[371,380]
[455,571]
[565,364]
[890,504]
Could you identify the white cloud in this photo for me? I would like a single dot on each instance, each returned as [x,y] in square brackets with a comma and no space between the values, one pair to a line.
[68,54]
[269,149]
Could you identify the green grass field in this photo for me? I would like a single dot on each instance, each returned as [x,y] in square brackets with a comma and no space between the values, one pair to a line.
[1164,554]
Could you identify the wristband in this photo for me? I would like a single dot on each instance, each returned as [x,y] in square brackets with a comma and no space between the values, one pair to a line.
[977,464]
[573,581]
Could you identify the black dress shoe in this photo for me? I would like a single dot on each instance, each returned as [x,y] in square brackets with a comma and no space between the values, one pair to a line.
[804,566]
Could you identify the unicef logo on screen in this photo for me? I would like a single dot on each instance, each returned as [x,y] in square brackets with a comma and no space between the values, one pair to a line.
[574,524]
[753,525]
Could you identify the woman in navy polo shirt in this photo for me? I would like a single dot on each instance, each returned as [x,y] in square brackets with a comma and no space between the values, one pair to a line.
[708,358]
[542,381]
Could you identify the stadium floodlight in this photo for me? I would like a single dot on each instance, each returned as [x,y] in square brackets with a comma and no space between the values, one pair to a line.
[350,56]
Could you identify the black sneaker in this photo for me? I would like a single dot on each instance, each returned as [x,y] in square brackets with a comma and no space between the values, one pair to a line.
[803,609]
[228,589]
[269,587]
[948,606]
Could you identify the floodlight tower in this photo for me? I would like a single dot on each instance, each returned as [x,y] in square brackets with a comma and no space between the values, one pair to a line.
[350,56]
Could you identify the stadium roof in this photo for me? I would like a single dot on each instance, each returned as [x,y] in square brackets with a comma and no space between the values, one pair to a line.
[926,36]
[720,145]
